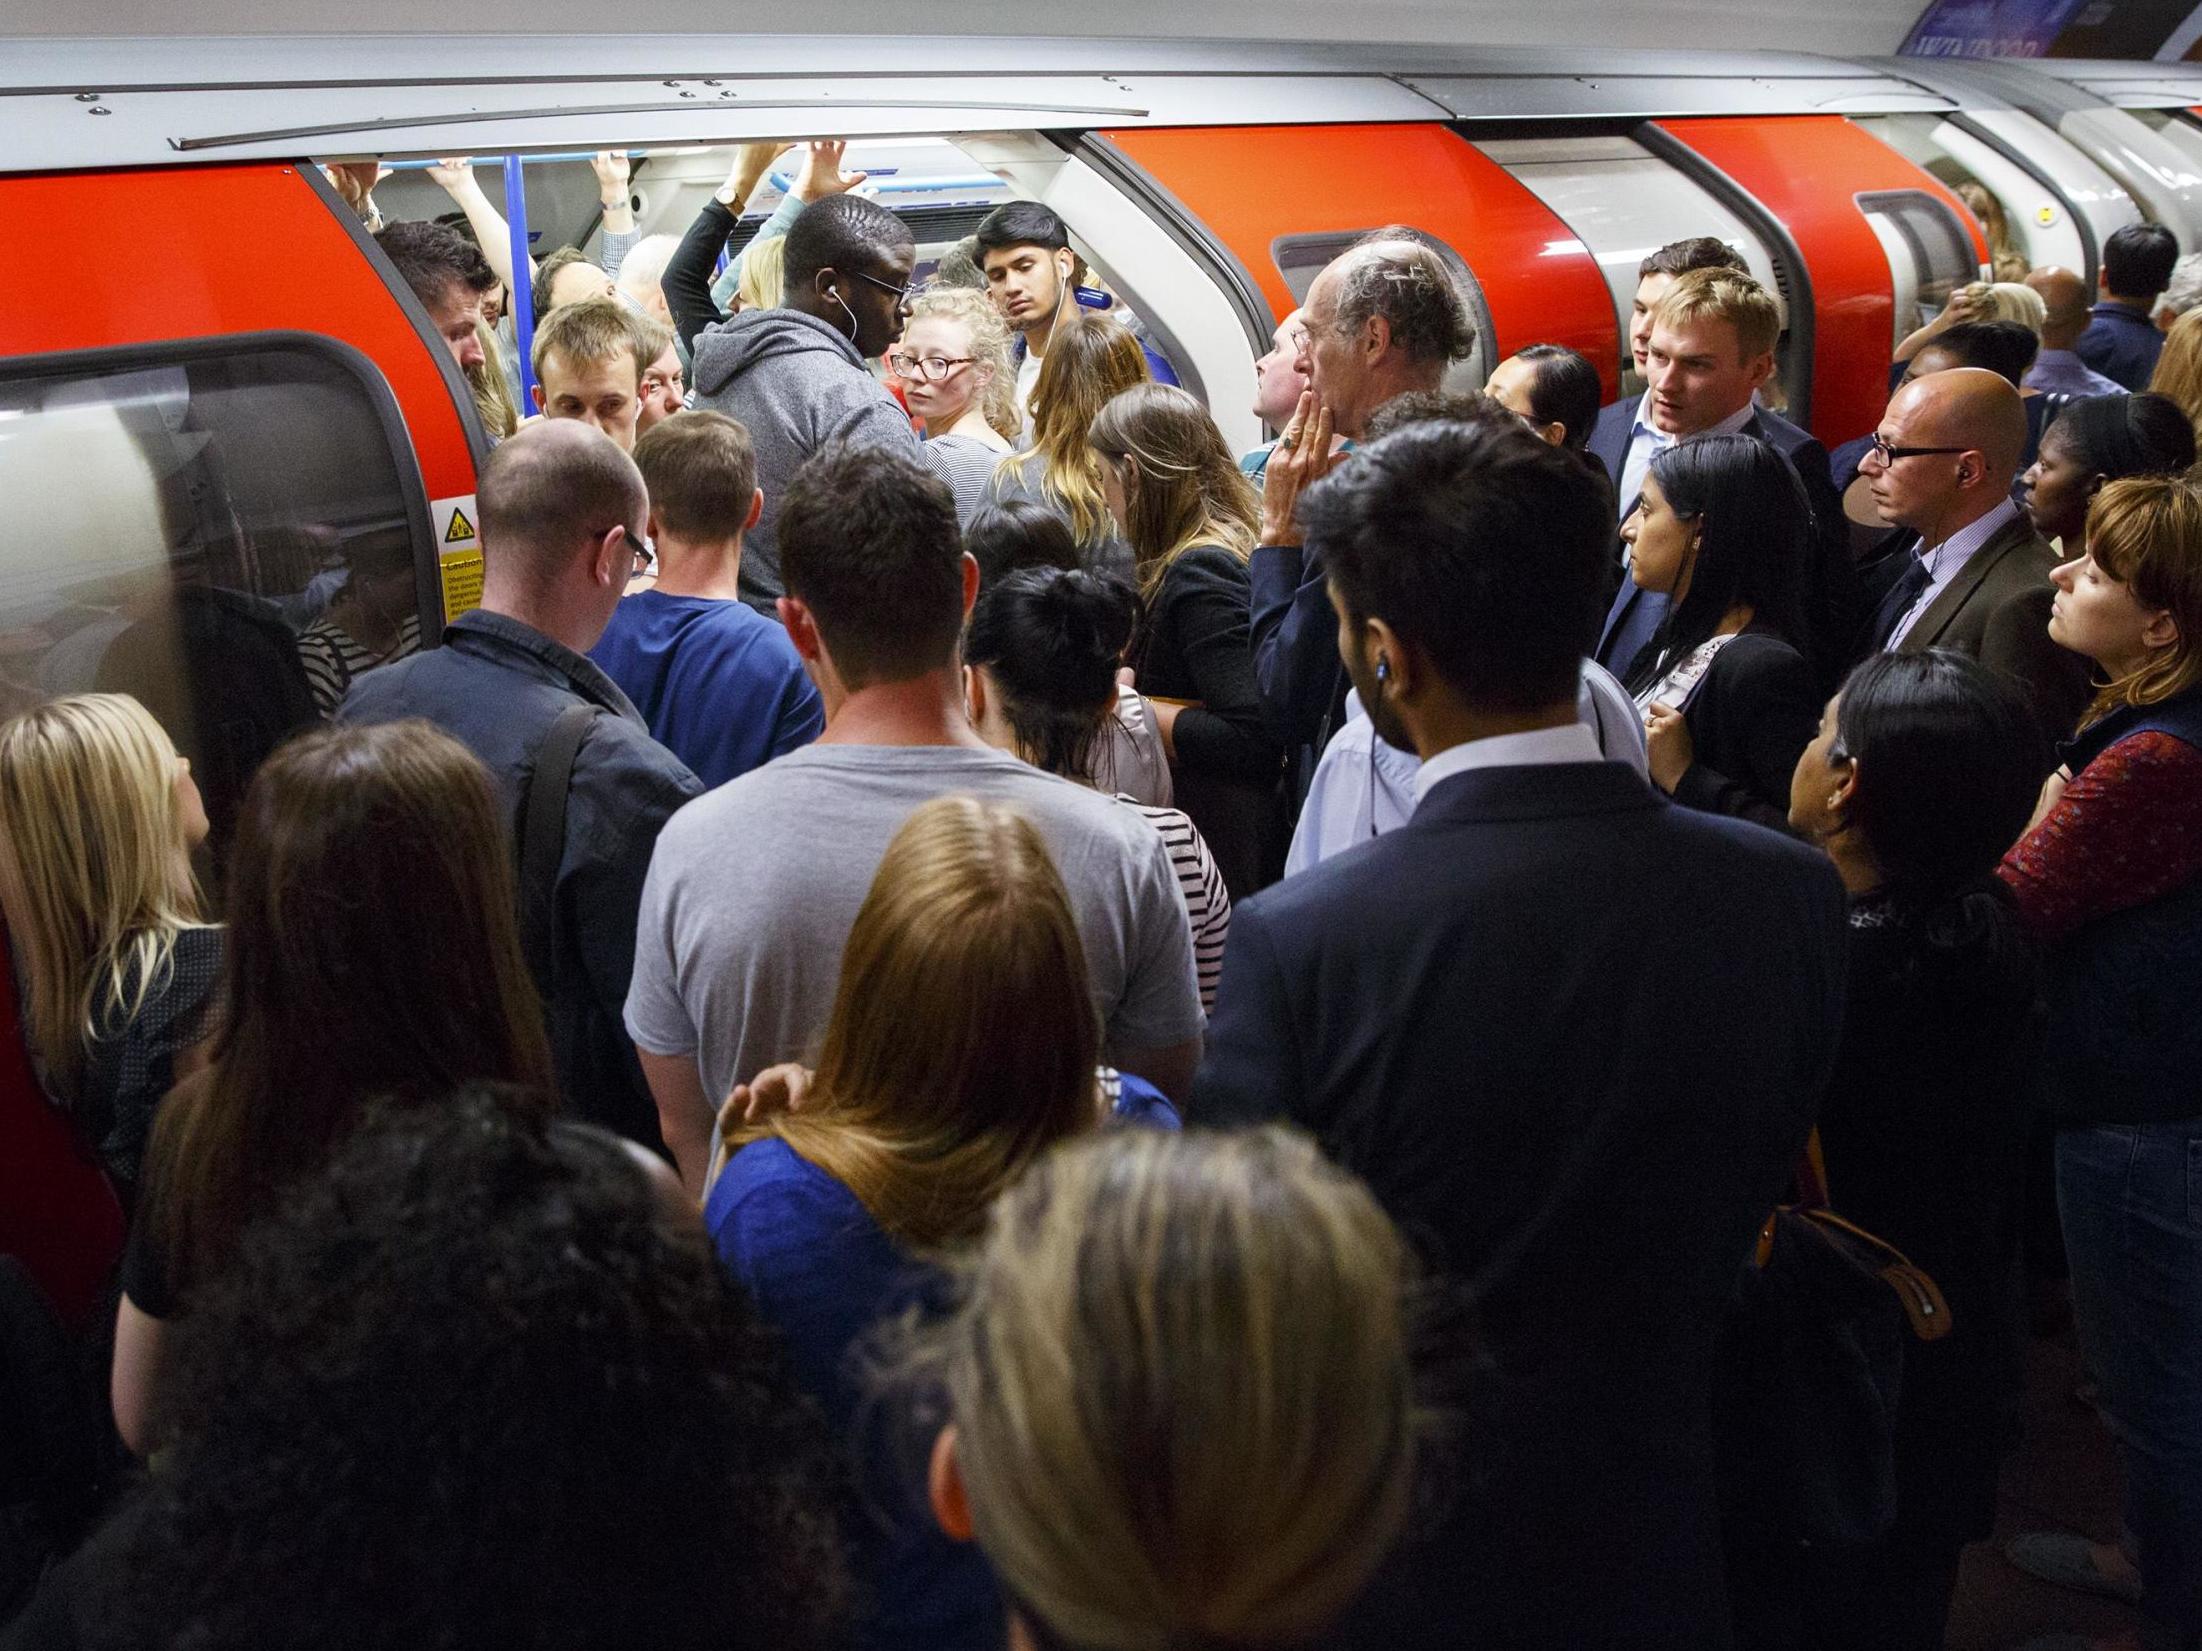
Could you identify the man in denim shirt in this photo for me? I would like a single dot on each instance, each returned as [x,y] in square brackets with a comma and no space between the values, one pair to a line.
[562,512]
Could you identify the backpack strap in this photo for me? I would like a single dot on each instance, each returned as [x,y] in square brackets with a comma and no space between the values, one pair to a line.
[543,828]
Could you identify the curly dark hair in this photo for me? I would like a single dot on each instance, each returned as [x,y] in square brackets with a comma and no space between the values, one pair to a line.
[478,1385]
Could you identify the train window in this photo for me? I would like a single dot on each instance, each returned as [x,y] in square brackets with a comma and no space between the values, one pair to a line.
[181,513]
[1300,258]
[1623,203]
[1930,253]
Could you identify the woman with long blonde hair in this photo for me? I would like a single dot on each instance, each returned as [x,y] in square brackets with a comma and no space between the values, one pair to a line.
[98,818]
[954,367]
[1179,1403]
[1191,516]
[962,1044]
[491,381]
[2178,374]
[2110,882]
[1090,360]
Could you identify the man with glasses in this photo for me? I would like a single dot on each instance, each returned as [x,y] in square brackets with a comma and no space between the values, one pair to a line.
[1942,463]
[796,377]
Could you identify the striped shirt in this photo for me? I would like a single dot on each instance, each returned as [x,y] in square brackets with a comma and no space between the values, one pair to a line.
[1207,904]
[333,656]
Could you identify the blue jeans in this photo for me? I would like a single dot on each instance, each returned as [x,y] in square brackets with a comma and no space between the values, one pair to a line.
[2130,1197]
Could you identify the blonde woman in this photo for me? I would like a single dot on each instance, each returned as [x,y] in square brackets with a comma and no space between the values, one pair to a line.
[954,367]
[98,818]
[1190,516]
[1089,362]
[2178,372]
[1981,301]
[2005,261]
[962,1044]
[491,380]
[1178,1394]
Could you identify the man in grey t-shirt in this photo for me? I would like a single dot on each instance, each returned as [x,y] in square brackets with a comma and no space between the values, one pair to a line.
[754,887]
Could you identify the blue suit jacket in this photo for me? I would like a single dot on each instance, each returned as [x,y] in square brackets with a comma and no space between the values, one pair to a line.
[1572,1036]
[1832,601]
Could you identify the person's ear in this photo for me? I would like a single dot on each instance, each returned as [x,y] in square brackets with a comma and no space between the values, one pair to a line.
[801,628]
[614,562]
[1376,336]
[1401,673]
[652,526]
[1762,370]
[974,695]
[756,509]
[944,1488]
[2161,631]
[1845,788]
[970,583]
[536,390]
[1066,262]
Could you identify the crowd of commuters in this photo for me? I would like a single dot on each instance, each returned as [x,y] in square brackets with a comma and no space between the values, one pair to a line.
[958,1018]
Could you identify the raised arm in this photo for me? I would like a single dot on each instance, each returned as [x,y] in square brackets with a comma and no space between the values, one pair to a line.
[456,178]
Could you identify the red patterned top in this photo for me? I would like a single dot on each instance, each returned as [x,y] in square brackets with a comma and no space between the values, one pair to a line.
[2127,830]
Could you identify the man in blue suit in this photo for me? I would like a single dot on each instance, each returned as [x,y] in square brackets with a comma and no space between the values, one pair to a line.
[1570,1034]
[1708,351]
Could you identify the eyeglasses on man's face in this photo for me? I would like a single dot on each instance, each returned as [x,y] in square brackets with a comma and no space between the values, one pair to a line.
[903,292]
[1889,455]
[929,368]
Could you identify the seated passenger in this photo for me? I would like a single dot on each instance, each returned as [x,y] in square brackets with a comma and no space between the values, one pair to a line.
[1383,318]
[795,377]
[737,953]
[1479,1014]
[2121,341]
[953,364]
[1014,534]
[447,274]
[1719,531]
[356,1415]
[962,1044]
[1033,277]
[373,618]
[115,960]
[719,684]
[561,511]
[372,954]
[2058,369]
[2109,880]
[1133,1291]
[1039,659]
[1947,453]
[1096,359]
[1189,515]
[590,360]
[1923,770]
[2101,439]
[1555,388]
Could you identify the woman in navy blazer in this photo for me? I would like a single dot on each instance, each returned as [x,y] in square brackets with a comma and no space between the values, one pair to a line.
[1722,530]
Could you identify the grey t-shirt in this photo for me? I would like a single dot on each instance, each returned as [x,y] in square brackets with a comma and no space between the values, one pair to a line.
[755,886]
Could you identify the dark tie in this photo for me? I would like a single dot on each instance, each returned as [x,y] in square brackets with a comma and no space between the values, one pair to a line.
[1898,601]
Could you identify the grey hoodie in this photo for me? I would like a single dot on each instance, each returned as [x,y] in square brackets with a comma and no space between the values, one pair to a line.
[795,384]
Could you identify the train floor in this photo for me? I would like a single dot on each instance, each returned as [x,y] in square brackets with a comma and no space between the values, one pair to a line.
[2064,1476]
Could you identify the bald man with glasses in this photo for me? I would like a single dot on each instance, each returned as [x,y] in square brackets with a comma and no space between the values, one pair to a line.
[1942,464]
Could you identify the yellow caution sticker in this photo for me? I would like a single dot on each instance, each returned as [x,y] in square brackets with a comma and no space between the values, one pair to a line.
[461,531]
[454,518]
[462,582]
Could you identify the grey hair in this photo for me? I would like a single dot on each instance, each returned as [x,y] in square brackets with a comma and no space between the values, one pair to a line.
[2185,291]
[1397,274]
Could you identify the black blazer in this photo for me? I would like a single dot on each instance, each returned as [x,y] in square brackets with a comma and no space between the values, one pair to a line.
[1572,1037]
[1753,714]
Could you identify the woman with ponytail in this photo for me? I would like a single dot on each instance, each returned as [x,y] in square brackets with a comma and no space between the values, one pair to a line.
[1923,768]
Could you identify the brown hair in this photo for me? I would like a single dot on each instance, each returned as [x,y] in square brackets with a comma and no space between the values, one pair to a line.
[600,329]
[2146,533]
[373,952]
[964,1037]
[701,472]
[1726,295]
[1090,360]
[1693,252]
[1182,487]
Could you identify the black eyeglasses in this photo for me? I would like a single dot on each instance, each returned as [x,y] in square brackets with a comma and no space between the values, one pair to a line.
[932,368]
[901,292]
[1889,455]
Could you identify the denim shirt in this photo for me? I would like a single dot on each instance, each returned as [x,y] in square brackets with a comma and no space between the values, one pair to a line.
[496,685]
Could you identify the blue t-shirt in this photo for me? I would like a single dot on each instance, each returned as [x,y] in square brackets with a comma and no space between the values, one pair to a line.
[823,1274]
[720,685]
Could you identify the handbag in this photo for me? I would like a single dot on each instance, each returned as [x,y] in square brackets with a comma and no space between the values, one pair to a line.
[1810,1373]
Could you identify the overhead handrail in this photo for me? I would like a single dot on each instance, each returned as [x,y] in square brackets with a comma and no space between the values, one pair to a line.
[388,123]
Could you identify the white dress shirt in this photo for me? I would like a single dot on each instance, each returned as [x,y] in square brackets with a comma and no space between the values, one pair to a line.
[1947,560]
[1647,441]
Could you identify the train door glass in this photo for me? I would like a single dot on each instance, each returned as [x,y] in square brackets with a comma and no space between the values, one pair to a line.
[193,524]
[2037,206]
[1625,203]
[1930,254]
[1300,258]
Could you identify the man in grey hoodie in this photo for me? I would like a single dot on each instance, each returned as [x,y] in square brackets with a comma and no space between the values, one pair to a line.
[796,376]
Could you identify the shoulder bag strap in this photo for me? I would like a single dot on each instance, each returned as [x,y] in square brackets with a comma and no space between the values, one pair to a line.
[543,826]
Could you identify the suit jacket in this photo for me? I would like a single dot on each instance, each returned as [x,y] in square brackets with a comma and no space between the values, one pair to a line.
[1997,610]
[1572,1036]
[1830,590]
